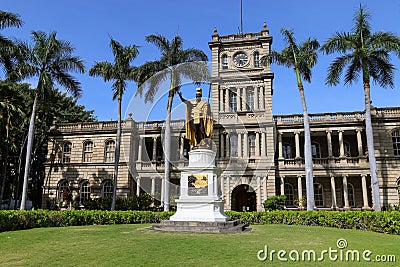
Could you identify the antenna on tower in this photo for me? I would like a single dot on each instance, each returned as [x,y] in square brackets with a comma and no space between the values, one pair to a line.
[241,18]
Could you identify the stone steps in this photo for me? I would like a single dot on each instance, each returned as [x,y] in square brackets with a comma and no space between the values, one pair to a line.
[200,227]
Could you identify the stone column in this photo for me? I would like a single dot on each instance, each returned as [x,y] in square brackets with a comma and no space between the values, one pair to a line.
[282,185]
[280,146]
[259,203]
[138,185]
[182,147]
[297,141]
[341,144]
[263,147]
[154,158]
[222,103]
[345,192]
[222,186]
[299,187]
[244,99]
[227,100]
[153,186]
[333,190]
[245,145]
[227,145]
[222,145]
[258,144]
[228,191]
[364,191]
[359,143]
[262,98]
[256,98]
[265,187]
[329,141]
[240,154]
[140,152]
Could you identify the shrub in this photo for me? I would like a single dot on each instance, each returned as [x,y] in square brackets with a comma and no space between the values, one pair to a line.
[275,203]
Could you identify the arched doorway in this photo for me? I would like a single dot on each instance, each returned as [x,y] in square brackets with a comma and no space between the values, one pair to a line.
[244,198]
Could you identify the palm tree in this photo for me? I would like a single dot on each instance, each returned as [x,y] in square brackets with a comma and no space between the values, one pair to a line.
[366,54]
[7,19]
[301,58]
[120,72]
[50,60]
[170,66]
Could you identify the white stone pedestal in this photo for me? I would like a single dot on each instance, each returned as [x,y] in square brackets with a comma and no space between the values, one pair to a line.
[200,200]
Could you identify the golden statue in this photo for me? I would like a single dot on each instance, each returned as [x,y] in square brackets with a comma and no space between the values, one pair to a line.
[199,121]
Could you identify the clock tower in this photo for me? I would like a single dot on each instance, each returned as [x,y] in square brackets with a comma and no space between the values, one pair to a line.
[242,110]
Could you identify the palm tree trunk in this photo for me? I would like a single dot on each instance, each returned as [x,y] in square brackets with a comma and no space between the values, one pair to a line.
[371,150]
[307,152]
[31,137]
[167,149]
[117,154]
[5,157]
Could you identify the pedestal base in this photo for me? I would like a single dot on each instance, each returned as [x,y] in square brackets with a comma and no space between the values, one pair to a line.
[200,227]
[200,210]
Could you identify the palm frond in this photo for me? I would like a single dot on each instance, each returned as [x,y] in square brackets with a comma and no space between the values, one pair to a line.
[8,19]
[102,69]
[159,41]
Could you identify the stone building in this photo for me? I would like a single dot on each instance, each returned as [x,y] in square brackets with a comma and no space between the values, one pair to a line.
[260,154]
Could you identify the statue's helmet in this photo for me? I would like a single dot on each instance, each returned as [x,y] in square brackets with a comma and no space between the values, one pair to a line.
[199,92]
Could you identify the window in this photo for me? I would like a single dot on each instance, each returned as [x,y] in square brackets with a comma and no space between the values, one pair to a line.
[350,194]
[347,149]
[289,202]
[316,152]
[252,144]
[87,151]
[287,151]
[66,155]
[256,59]
[250,99]
[396,142]
[224,61]
[318,195]
[109,151]
[232,101]
[85,191]
[234,145]
[107,189]
[63,188]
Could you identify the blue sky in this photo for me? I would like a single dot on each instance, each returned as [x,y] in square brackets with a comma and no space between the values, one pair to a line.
[88,24]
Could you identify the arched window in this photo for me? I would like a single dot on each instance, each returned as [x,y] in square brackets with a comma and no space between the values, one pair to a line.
[250,99]
[350,193]
[63,187]
[109,152]
[256,57]
[315,150]
[107,189]
[252,144]
[287,151]
[84,193]
[318,195]
[224,62]
[396,142]
[347,151]
[289,202]
[87,151]
[66,154]
[232,101]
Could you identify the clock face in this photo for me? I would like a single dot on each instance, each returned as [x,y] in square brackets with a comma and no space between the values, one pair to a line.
[240,59]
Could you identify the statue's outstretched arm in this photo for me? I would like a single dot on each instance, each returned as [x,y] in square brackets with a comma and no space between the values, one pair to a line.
[181,97]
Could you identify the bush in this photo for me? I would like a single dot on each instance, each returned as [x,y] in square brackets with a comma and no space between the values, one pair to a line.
[141,202]
[275,203]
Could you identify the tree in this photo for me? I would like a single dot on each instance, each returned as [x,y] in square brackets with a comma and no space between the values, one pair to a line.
[367,54]
[170,66]
[120,72]
[7,19]
[301,57]
[50,60]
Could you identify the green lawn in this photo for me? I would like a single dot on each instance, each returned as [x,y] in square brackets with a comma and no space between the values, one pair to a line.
[134,245]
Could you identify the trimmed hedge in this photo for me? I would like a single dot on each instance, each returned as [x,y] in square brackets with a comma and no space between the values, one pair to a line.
[383,222]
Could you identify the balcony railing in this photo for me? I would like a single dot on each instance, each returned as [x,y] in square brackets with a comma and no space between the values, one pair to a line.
[297,162]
